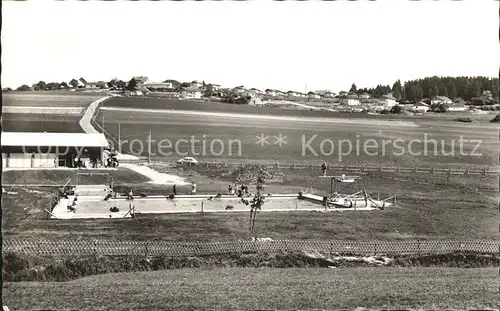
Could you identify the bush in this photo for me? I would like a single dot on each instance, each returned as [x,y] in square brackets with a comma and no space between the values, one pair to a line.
[496,119]
[396,109]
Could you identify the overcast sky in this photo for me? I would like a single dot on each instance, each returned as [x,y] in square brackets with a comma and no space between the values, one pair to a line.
[259,43]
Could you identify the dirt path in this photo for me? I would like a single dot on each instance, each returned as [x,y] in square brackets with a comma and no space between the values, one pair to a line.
[156,177]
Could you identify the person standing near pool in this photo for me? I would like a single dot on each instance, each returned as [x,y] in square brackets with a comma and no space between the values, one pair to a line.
[324,168]
[193,189]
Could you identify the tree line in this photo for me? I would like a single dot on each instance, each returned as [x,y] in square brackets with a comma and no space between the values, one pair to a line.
[466,88]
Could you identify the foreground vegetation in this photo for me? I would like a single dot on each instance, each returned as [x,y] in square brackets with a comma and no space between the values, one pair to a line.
[198,289]
[20,267]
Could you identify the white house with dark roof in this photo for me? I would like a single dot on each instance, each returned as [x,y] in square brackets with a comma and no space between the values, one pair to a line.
[350,100]
[313,95]
[458,106]
[388,101]
[364,96]
[420,107]
[191,93]
[293,94]
[141,79]
[436,100]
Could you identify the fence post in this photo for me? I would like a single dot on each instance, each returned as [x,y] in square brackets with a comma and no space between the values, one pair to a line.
[418,246]
[95,247]
[363,169]
[146,249]
[466,171]
[433,171]
[398,170]
[293,166]
[375,248]
[202,206]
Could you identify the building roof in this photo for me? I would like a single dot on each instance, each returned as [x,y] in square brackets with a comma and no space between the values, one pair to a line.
[388,96]
[420,104]
[191,89]
[31,139]
[443,98]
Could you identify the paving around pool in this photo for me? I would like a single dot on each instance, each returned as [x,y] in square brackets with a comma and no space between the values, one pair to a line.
[93,201]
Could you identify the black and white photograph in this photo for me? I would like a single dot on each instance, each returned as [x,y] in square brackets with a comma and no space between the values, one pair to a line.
[250,155]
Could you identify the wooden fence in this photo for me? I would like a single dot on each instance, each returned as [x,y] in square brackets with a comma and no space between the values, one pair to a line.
[61,248]
[350,168]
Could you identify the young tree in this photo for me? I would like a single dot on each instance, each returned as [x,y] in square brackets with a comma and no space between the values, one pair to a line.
[209,90]
[396,109]
[397,89]
[452,89]
[64,85]
[40,86]
[73,83]
[257,202]
[132,84]
[353,88]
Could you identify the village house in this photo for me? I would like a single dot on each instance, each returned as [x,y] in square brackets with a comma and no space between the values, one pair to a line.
[253,92]
[159,86]
[133,93]
[365,96]
[239,90]
[343,93]
[293,94]
[141,79]
[95,85]
[270,92]
[388,101]
[191,93]
[420,107]
[458,106]
[81,83]
[313,95]
[216,87]
[437,100]
[329,94]
[280,93]
[350,100]
[195,84]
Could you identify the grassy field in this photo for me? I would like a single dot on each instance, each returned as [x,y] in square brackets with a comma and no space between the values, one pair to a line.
[196,289]
[49,99]
[388,144]
[23,122]
[176,104]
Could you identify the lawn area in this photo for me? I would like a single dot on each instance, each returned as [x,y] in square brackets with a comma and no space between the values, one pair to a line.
[264,288]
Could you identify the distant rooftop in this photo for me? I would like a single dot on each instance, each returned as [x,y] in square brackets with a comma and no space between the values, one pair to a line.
[32,139]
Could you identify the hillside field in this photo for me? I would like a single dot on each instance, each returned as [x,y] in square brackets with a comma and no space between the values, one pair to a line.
[235,138]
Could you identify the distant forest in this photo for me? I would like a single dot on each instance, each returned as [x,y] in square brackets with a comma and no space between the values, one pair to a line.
[467,88]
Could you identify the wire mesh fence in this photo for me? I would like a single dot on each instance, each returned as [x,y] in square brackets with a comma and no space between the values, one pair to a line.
[63,248]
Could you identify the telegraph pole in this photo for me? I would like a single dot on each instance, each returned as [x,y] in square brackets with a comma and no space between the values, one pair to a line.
[149,148]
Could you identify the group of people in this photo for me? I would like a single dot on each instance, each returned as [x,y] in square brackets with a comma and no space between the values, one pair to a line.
[239,191]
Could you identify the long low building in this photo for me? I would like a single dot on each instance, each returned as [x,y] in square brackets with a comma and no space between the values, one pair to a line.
[50,150]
